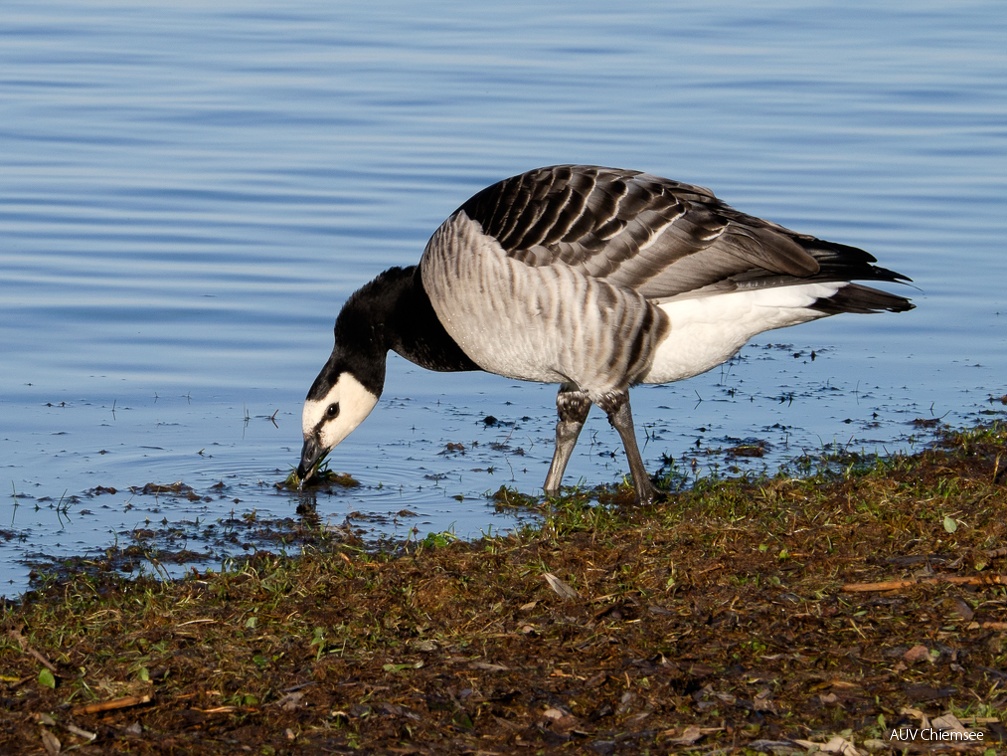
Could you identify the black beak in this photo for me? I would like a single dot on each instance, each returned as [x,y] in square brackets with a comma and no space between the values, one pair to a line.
[311,455]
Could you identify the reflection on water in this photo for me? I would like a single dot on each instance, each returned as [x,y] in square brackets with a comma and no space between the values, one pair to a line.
[188,193]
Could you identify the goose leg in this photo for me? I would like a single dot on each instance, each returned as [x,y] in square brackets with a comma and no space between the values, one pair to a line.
[572,406]
[616,406]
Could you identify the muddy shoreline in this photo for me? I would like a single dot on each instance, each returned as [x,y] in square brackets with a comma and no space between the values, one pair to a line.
[740,616]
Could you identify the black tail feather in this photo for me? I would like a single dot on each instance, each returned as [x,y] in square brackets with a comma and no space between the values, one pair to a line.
[841,261]
[864,299]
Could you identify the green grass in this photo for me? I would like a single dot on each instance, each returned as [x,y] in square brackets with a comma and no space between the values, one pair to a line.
[720,608]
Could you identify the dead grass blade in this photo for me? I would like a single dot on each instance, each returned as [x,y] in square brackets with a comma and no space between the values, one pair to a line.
[561,588]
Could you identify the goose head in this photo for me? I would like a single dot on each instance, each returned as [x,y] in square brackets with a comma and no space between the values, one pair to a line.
[336,404]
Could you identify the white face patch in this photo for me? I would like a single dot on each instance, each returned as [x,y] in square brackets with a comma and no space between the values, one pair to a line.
[352,404]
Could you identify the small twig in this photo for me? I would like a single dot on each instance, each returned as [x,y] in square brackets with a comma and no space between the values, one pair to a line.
[894,585]
[222,710]
[988,625]
[79,732]
[23,642]
[125,702]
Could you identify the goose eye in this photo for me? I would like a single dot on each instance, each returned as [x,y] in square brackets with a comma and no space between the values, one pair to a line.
[332,410]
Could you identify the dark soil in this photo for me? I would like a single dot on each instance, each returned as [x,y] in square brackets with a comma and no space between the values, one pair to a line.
[730,618]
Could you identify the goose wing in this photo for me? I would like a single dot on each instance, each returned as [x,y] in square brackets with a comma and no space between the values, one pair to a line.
[663,238]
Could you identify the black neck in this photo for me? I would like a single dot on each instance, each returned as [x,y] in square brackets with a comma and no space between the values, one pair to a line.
[394,312]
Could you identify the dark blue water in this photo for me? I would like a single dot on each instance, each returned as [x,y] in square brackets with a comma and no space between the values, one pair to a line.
[188,193]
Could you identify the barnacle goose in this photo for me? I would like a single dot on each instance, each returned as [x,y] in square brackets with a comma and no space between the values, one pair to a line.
[594,278]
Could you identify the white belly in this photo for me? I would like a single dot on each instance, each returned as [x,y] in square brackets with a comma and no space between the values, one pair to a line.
[706,331]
